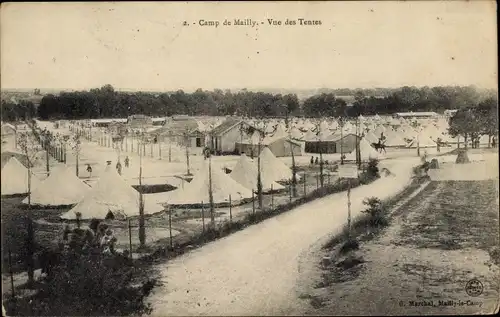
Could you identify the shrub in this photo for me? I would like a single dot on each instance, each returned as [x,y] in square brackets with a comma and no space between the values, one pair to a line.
[88,284]
[349,245]
[372,168]
[376,211]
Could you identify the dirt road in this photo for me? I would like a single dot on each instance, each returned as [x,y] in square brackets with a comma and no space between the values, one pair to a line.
[255,271]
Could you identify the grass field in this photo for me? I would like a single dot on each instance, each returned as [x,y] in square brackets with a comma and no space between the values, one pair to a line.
[441,239]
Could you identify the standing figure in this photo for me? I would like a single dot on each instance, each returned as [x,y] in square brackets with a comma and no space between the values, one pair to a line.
[89,170]
[438,144]
[127,162]
[312,160]
[119,167]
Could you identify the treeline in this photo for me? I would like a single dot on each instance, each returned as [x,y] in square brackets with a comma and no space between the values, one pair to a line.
[23,110]
[105,102]
[108,103]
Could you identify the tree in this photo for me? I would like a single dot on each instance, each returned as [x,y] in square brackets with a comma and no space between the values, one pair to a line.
[142,229]
[488,115]
[29,147]
[259,176]
[465,123]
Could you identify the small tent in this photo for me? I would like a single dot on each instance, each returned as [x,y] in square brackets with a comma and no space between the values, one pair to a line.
[197,191]
[370,137]
[366,152]
[421,140]
[393,139]
[61,188]
[273,167]
[111,195]
[15,178]
[245,173]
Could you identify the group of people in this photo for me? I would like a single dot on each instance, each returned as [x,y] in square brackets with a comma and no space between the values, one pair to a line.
[315,161]
[97,236]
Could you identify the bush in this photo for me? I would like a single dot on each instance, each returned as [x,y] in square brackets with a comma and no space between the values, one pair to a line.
[349,245]
[376,211]
[88,284]
[372,168]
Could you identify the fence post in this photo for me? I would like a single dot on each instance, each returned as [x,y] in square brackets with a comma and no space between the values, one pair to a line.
[170,227]
[290,192]
[230,210]
[305,183]
[151,149]
[130,237]
[203,217]
[317,180]
[253,203]
[328,178]
[272,198]
[159,149]
[11,274]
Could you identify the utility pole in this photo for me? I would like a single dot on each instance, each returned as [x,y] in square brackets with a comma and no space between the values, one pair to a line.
[341,124]
[210,193]
[142,231]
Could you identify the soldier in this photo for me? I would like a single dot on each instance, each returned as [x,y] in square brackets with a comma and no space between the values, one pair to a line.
[119,167]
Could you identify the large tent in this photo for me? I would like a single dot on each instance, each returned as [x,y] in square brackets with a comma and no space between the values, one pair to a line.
[273,167]
[111,194]
[15,178]
[61,188]
[196,193]
[366,152]
[245,172]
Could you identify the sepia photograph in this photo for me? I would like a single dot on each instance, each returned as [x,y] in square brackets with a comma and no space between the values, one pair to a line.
[206,158]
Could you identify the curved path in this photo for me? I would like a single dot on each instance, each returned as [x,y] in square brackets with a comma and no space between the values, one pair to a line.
[255,271]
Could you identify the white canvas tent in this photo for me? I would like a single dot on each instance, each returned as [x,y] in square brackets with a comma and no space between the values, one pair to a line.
[280,132]
[273,167]
[366,151]
[296,134]
[111,194]
[15,178]
[61,188]
[370,137]
[245,173]
[393,139]
[197,191]
[421,140]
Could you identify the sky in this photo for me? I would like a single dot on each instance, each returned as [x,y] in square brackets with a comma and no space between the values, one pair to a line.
[144,46]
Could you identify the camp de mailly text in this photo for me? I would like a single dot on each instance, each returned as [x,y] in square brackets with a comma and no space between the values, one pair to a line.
[254,23]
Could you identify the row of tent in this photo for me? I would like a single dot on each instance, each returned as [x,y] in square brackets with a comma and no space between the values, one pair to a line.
[113,194]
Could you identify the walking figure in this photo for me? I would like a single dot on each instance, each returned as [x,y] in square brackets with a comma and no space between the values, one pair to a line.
[438,144]
[312,160]
[119,167]
[126,162]
[89,170]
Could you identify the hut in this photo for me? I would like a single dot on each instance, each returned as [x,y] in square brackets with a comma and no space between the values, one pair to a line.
[223,138]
